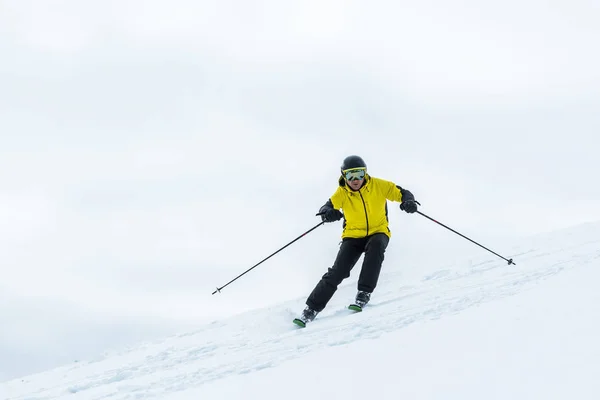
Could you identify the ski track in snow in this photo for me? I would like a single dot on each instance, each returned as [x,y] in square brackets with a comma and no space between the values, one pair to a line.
[267,338]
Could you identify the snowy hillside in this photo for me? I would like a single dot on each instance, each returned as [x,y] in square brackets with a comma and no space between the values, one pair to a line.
[470,330]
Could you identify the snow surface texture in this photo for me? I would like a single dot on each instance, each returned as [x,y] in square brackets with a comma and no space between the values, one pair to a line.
[471,330]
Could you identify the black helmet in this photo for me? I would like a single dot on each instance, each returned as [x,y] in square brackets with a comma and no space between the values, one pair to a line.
[353,162]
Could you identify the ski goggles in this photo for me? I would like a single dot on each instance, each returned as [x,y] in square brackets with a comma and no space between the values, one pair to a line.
[355,174]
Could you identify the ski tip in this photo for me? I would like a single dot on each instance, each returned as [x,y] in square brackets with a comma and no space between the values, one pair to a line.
[299,322]
[355,307]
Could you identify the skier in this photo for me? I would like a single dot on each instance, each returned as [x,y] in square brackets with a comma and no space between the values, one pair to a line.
[365,230]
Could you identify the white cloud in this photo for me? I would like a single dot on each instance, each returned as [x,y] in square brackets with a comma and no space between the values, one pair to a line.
[436,52]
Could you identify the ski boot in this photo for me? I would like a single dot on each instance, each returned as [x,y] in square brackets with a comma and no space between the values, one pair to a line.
[362,298]
[307,316]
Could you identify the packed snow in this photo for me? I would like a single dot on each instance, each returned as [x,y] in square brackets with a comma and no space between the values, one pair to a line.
[471,329]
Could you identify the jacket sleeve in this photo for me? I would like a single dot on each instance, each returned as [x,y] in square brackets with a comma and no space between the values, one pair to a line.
[336,201]
[394,192]
[389,189]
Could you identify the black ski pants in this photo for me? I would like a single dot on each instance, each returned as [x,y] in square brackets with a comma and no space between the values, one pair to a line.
[350,251]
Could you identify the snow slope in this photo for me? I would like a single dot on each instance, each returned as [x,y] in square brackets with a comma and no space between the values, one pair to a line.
[476,329]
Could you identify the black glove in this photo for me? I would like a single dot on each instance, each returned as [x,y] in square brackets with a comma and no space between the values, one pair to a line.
[410,206]
[331,215]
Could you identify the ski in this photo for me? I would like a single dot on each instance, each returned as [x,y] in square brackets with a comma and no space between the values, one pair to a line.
[355,307]
[299,322]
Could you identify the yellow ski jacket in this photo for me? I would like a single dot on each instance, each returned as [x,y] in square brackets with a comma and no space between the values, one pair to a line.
[365,210]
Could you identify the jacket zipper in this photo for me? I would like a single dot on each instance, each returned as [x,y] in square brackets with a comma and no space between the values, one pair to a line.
[366,215]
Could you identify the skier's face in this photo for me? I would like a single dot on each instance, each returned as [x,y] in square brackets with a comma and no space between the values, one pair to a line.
[355,184]
[355,177]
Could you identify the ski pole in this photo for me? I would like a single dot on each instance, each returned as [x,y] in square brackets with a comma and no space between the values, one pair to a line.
[256,265]
[510,261]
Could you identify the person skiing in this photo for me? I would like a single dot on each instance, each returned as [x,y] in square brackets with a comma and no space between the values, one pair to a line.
[363,199]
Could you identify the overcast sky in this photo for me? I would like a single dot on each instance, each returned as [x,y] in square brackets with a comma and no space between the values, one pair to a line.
[151,151]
